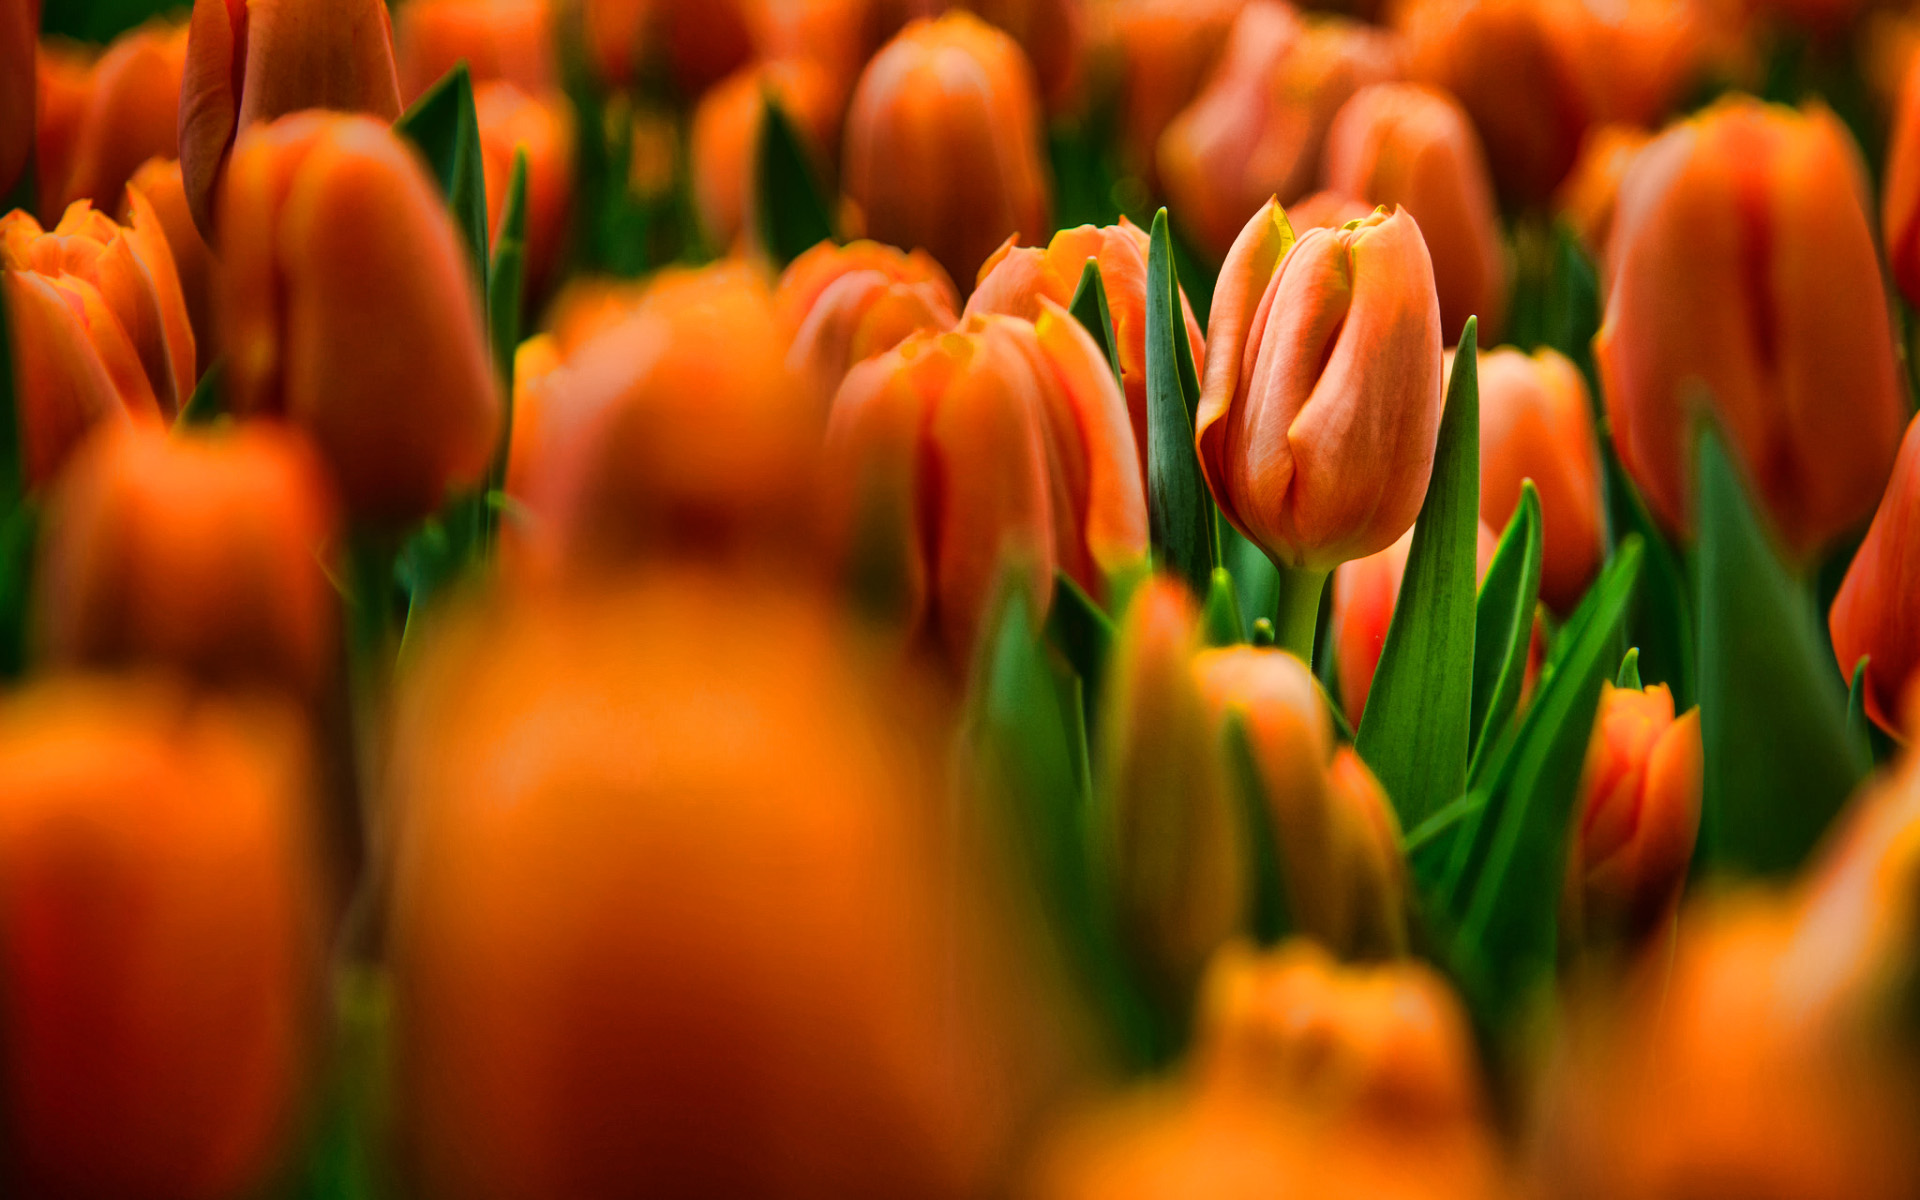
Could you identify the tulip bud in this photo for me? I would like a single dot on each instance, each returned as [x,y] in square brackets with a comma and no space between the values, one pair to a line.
[1591,193]
[1258,129]
[205,555]
[1877,612]
[64,89]
[19,36]
[130,114]
[1900,201]
[161,916]
[542,126]
[158,182]
[943,144]
[1167,49]
[1052,34]
[1744,271]
[255,60]
[1401,144]
[1326,210]
[726,137]
[1365,593]
[509,40]
[840,305]
[349,308]
[699,42]
[1015,280]
[1321,401]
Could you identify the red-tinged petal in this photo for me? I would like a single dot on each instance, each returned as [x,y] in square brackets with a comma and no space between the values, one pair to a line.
[210,100]
[150,239]
[64,386]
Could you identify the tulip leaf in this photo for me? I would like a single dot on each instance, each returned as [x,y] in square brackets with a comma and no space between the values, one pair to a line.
[1429,846]
[1220,621]
[19,534]
[1080,630]
[1415,729]
[1255,578]
[205,406]
[443,124]
[1090,308]
[1773,720]
[506,294]
[1179,508]
[343,1159]
[1662,621]
[1859,728]
[1629,674]
[791,206]
[1503,626]
[1271,916]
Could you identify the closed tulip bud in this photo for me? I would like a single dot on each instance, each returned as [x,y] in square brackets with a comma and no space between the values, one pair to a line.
[509,40]
[840,305]
[161,916]
[131,114]
[1877,612]
[1321,401]
[542,126]
[1744,273]
[1591,193]
[1900,200]
[252,61]
[726,137]
[19,37]
[1365,593]
[64,88]
[943,144]
[159,184]
[1017,278]
[1402,144]
[1053,34]
[1326,210]
[348,307]
[203,555]
[1259,128]
[1166,48]
[1536,422]
[699,42]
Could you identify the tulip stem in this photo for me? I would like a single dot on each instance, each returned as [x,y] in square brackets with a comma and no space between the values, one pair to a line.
[1298,615]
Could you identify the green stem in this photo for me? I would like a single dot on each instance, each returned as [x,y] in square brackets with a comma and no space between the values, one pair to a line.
[1298,614]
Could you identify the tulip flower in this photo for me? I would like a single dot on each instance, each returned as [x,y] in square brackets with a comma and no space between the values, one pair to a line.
[130,114]
[1326,210]
[1258,129]
[1744,275]
[159,183]
[1637,59]
[1402,144]
[542,126]
[207,555]
[1591,193]
[699,42]
[251,61]
[1900,201]
[508,40]
[726,137]
[1015,279]
[1536,422]
[841,305]
[943,144]
[64,90]
[1002,445]
[348,307]
[1167,49]
[160,912]
[1365,593]
[1877,612]
[100,328]
[1053,35]
[19,36]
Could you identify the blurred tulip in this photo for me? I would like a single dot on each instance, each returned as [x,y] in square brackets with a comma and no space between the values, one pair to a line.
[836,36]
[840,305]
[163,945]
[349,308]
[943,144]
[697,42]
[1258,129]
[19,38]
[508,40]
[1326,210]
[206,555]
[1016,278]
[63,92]
[1321,400]
[130,114]
[1877,611]
[726,136]
[1638,59]
[1900,200]
[1167,49]
[1744,270]
[250,61]
[1365,593]
[1536,423]
[159,184]
[1591,193]
[542,126]
[1053,34]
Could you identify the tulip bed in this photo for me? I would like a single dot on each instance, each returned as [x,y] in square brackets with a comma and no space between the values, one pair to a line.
[1032,598]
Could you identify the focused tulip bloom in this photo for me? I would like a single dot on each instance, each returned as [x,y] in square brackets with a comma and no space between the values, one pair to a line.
[1877,612]
[509,40]
[943,144]
[1402,144]
[1536,422]
[1744,274]
[159,184]
[1167,48]
[348,307]
[100,328]
[1591,193]
[19,36]
[1365,593]
[1326,210]
[840,305]
[131,114]
[1016,278]
[1003,445]
[205,555]
[250,61]
[726,135]
[163,952]
[541,125]
[1321,400]
[1258,129]
[1900,201]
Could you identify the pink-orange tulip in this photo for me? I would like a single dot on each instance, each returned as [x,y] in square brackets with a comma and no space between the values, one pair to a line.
[1744,276]
[1877,612]
[255,60]
[510,40]
[840,305]
[348,307]
[943,144]
[1900,200]
[130,114]
[1590,195]
[1365,593]
[19,36]
[726,135]
[1166,48]
[541,125]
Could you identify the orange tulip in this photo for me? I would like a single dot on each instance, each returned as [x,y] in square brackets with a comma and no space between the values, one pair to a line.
[130,114]
[254,60]
[726,137]
[1536,423]
[206,555]
[161,911]
[541,125]
[1167,49]
[1015,280]
[1408,145]
[1326,210]
[100,327]
[1591,193]
[1637,59]
[1053,33]
[510,40]
[1365,593]
[348,307]
[19,36]
[64,90]
[1321,400]
[943,144]
[1258,129]
[158,181]
[699,41]
[1744,271]
[840,305]
[1877,611]
[1900,201]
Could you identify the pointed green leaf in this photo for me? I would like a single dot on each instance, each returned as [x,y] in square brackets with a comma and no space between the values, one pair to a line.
[1272,918]
[1859,730]
[1429,846]
[13,466]
[791,207]
[1179,509]
[1662,621]
[1629,673]
[1083,633]
[1221,619]
[1415,728]
[506,291]
[442,123]
[1503,626]
[1090,308]
[205,406]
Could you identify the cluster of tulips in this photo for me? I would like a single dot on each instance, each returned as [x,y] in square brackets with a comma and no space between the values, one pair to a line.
[709,598]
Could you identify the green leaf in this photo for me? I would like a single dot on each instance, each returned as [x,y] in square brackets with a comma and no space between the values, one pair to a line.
[1629,673]
[1572,314]
[442,123]
[1179,510]
[1090,308]
[1255,577]
[1773,720]
[1429,847]
[205,406]
[1220,621]
[1859,730]
[1415,728]
[1503,626]
[1272,917]
[19,535]
[506,293]
[1083,633]
[1662,621]
[791,207]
